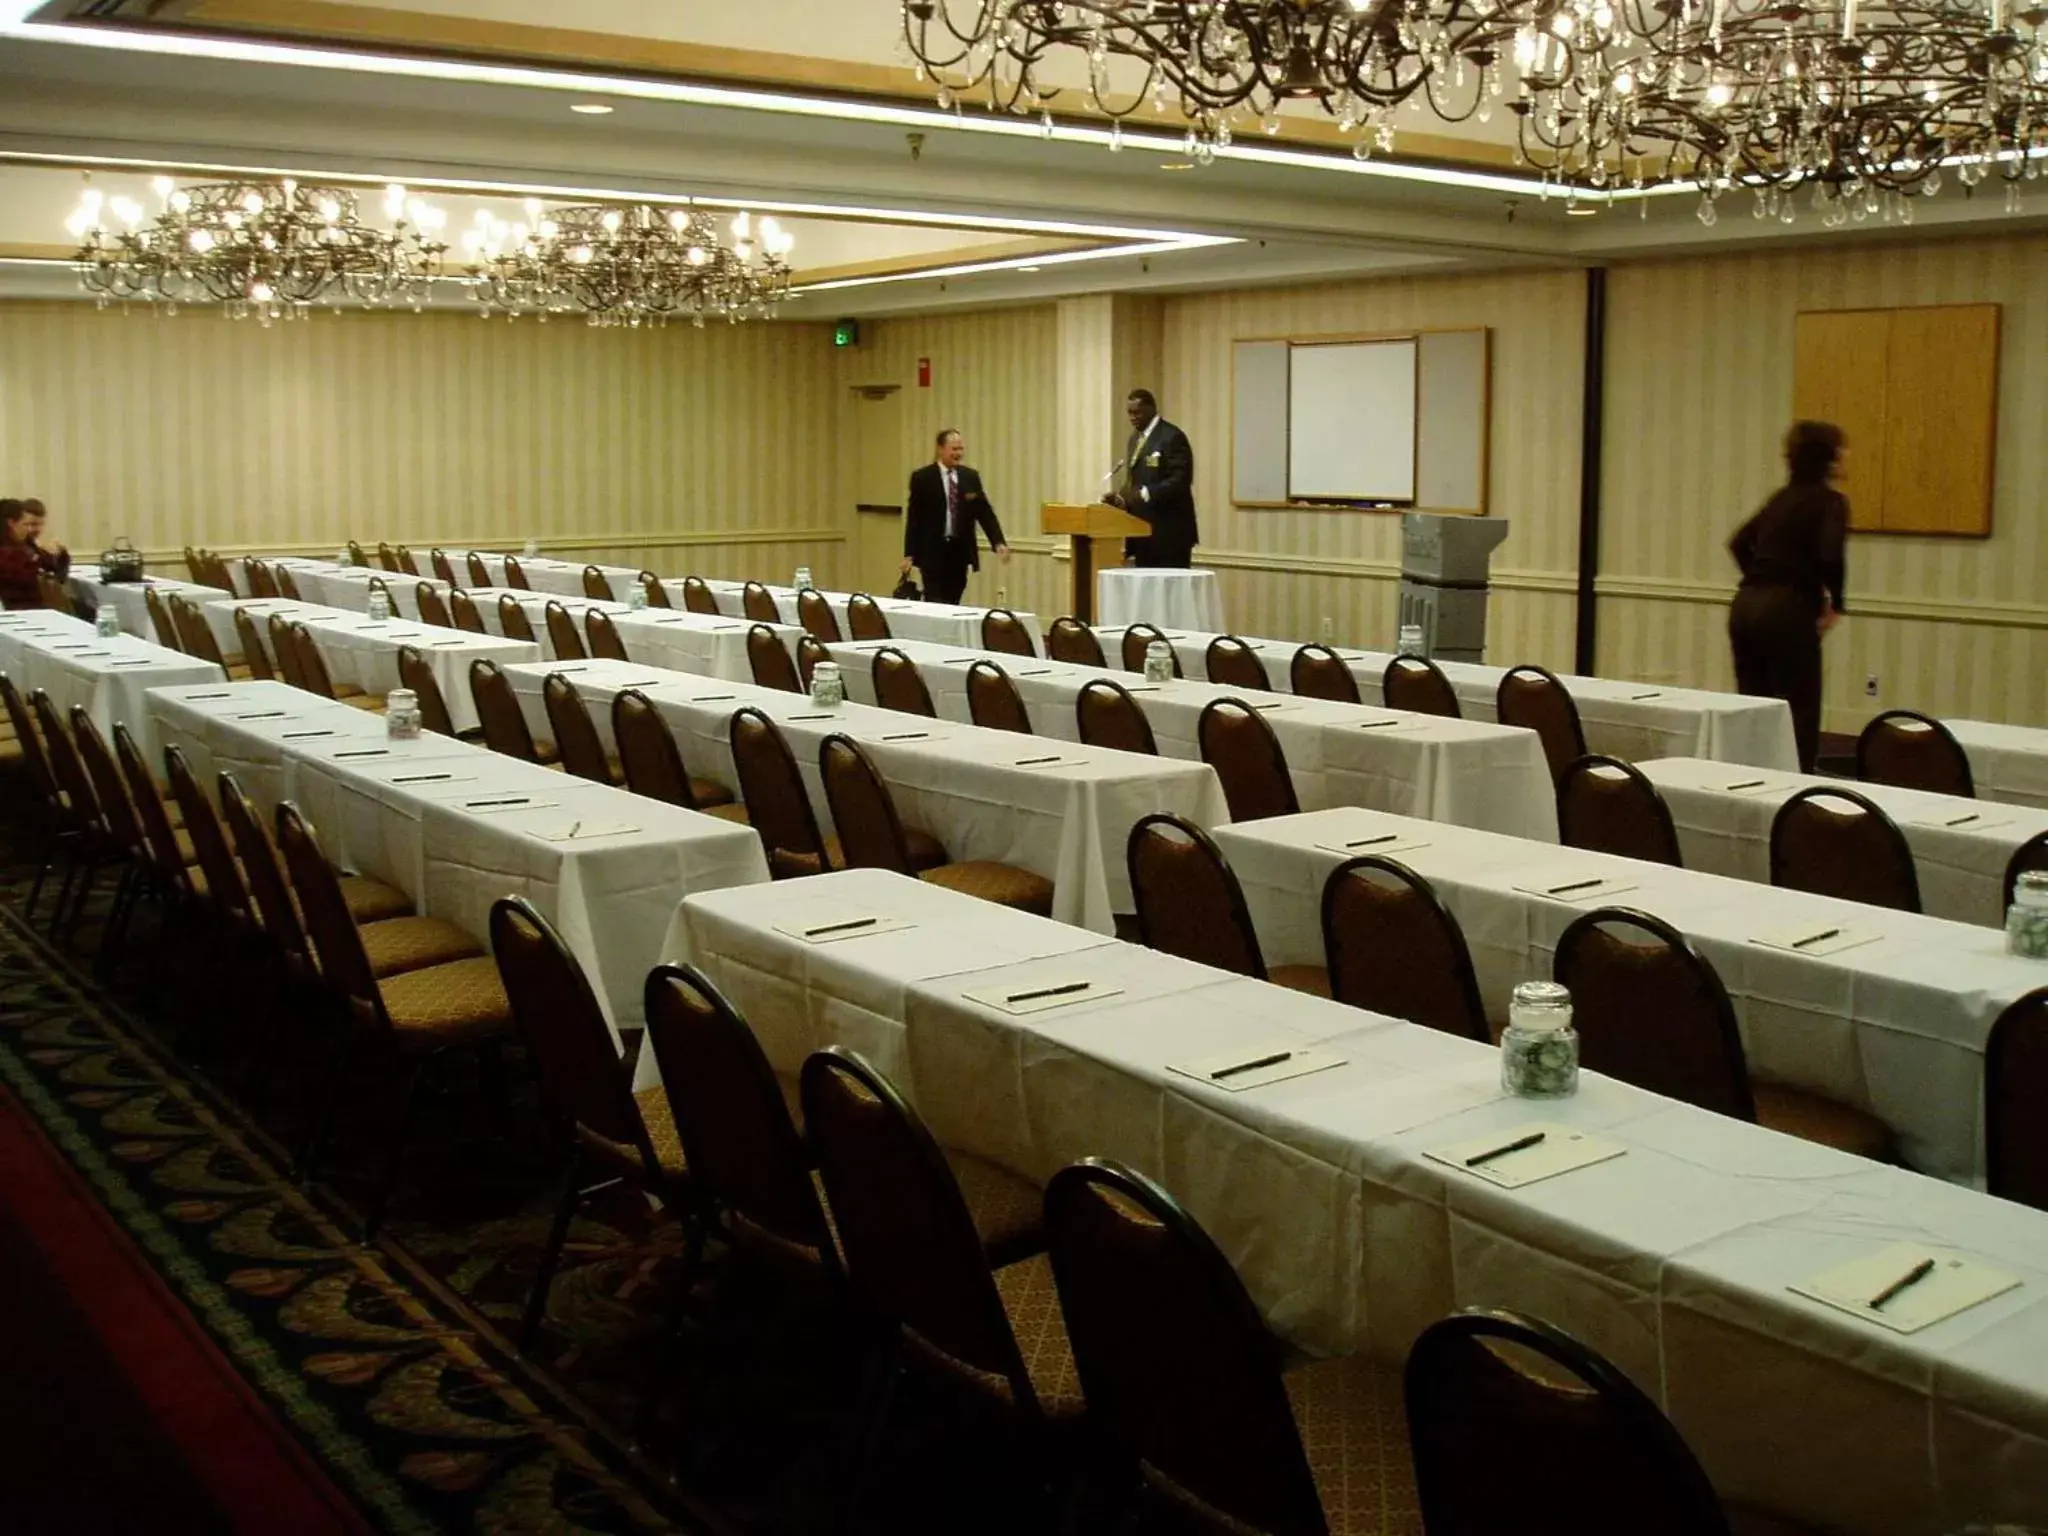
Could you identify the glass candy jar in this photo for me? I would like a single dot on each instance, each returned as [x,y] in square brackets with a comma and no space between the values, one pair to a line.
[1410,641]
[1539,1051]
[107,622]
[828,688]
[803,579]
[380,605]
[402,715]
[2026,920]
[1158,662]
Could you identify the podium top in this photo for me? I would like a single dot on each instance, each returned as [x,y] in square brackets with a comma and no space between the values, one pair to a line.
[1092,520]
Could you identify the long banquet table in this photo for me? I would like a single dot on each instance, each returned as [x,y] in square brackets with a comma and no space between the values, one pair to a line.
[130,599]
[546,575]
[2008,762]
[1674,1259]
[435,817]
[1337,754]
[946,623]
[1621,719]
[983,794]
[1894,1022]
[110,675]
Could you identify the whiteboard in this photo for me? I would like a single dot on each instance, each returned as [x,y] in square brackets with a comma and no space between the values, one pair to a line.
[1351,421]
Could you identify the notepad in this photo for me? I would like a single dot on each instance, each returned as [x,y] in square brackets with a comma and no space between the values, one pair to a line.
[304,735]
[1817,939]
[264,714]
[1751,786]
[1964,821]
[1381,846]
[1955,1284]
[1562,1150]
[492,806]
[1041,996]
[195,697]
[830,930]
[1638,698]
[433,778]
[1048,762]
[1390,723]
[1256,1066]
[909,736]
[366,752]
[577,832]
[1580,887]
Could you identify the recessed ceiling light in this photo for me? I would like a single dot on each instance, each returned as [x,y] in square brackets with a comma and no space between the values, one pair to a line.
[1178,165]
[1030,269]
[1581,210]
[591,108]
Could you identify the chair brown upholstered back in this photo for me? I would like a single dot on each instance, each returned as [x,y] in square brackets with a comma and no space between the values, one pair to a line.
[911,1249]
[497,710]
[270,894]
[416,674]
[1107,716]
[479,571]
[55,594]
[815,614]
[1137,639]
[563,637]
[575,732]
[512,619]
[899,685]
[432,609]
[1234,664]
[515,574]
[2015,1088]
[596,584]
[1003,631]
[2030,855]
[993,700]
[810,650]
[356,557]
[116,809]
[758,604]
[1236,742]
[407,565]
[1914,751]
[1392,947]
[1176,1363]
[1610,807]
[193,568]
[770,661]
[1188,899]
[225,883]
[1837,843]
[1072,641]
[1317,672]
[195,635]
[698,596]
[443,567]
[604,635]
[387,557]
[284,650]
[462,612]
[1418,685]
[152,816]
[252,646]
[262,579]
[288,584]
[1533,698]
[160,619]
[730,1116]
[863,811]
[332,933]
[655,593]
[1516,1426]
[648,753]
[865,619]
[313,675]
[67,768]
[772,787]
[30,735]
[1651,1011]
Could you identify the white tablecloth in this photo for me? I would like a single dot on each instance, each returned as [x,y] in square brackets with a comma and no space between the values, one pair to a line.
[110,676]
[2008,762]
[1895,1026]
[1449,770]
[1673,1259]
[239,573]
[546,575]
[1630,721]
[1960,847]
[940,622]
[402,812]
[348,588]
[671,638]
[130,599]
[1165,599]
[364,654]
[221,609]
[968,787]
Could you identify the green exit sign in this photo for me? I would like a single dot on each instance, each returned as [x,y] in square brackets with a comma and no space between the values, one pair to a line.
[846,334]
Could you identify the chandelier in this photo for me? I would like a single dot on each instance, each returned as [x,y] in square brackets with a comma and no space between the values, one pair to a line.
[631,265]
[271,249]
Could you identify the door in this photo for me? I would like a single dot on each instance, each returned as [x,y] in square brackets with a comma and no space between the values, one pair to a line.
[878,492]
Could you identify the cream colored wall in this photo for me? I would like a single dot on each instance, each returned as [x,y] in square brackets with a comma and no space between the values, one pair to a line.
[675,448]
[1699,391]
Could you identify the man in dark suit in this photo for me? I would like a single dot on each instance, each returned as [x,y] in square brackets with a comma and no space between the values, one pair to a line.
[946,504]
[1159,485]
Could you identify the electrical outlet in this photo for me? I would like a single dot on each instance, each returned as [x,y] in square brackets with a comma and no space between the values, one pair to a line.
[1870,686]
[1329,629]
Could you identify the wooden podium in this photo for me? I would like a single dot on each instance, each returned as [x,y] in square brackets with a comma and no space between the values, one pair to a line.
[1091,526]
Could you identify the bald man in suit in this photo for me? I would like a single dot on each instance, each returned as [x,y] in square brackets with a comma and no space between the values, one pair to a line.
[1159,485]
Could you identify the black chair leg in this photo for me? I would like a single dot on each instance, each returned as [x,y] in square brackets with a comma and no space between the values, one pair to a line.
[415,1075]
[551,1256]
[322,1121]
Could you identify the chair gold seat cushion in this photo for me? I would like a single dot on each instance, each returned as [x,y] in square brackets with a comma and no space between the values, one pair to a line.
[731,811]
[445,1005]
[1813,1118]
[661,1135]
[1312,979]
[400,944]
[1355,1431]
[1004,884]
[1034,1307]
[372,901]
[1007,1209]
[708,793]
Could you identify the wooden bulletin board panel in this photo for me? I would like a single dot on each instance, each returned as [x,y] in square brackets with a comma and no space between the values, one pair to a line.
[1916,393]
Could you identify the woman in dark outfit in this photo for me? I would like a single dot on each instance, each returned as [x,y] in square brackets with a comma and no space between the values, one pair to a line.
[1791,555]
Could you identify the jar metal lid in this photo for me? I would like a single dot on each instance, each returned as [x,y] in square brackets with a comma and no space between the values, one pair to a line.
[2033,881]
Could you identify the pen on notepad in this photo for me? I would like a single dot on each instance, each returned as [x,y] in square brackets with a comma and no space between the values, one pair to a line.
[1033,762]
[1032,997]
[1519,1144]
[1374,725]
[1815,938]
[1575,885]
[1748,784]
[1961,821]
[479,805]
[421,778]
[575,827]
[1368,842]
[1910,1278]
[846,927]
[908,736]
[1251,1066]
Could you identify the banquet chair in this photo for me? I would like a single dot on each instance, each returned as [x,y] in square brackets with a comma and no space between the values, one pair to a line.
[192,566]
[810,650]
[55,594]
[218,575]
[563,638]
[582,749]
[1317,672]
[596,584]
[872,836]
[462,612]
[758,604]
[865,619]
[479,570]
[416,673]
[1234,664]
[262,580]
[284,651]
[433,610]
[226,887]
[1237,742]
[1650,1009]
[316,679]
[2029,856]
[652,761]
[1190,904]
[769,661]
[613,1135]
[168,864]
[2015,1087]
[778,806]
[899,685]
[513,622]
[258,659]
[407,565]
[1392,947]
[160,619]
[356,557]
[118,827]
[814,613]
[417,1016]
[1072,641]
[443,567]
[504,725]
[288,584]
[993,700]
[1417,685]
[652,589]
[1913,751]
[1183,1377]
[1533,698]
[1107,716]
[698,596]
[85,836]
[1609,806]
[515,575]
[1003,631]
[1137,641]
[1834,842]
[55,833]
[197,639]
[387,557]
[603,635]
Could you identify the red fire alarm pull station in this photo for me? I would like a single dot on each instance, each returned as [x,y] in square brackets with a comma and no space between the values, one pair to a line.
[924,373]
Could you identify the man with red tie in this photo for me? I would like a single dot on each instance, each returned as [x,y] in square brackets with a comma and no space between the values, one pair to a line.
[947,503]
